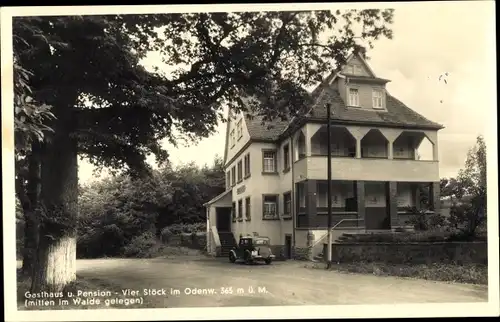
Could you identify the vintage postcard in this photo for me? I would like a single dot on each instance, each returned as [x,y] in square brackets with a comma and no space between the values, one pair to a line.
[285,160]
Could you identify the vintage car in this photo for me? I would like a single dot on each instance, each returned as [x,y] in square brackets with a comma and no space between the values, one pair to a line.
[252,249]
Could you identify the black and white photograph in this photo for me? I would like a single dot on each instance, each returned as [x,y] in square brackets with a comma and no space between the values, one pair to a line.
[229,161]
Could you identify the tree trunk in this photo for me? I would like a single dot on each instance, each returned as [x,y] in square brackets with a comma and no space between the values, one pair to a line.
[31,221]
[30,241]
[55,264]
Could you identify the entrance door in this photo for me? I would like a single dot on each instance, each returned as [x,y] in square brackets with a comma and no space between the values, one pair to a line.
[288,246]
[377,215]
[223,219]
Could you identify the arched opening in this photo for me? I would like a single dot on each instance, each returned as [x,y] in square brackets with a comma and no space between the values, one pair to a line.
[425,150]
[300,146]
[412,146]
[374,145]
[343,144]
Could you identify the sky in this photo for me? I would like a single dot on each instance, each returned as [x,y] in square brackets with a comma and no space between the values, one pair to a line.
[430,39]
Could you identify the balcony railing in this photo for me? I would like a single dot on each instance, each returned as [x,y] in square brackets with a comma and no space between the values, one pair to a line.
[315,167]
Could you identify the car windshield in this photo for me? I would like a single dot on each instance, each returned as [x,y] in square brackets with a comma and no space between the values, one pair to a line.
[260,242]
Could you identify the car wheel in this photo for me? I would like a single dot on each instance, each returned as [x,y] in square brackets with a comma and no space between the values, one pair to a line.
[232,259]
[268,261]
[248,258]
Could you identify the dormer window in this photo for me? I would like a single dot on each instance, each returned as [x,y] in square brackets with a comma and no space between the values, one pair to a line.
[353,97]
[377,97]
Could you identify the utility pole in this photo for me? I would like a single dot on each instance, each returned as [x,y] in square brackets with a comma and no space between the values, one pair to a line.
[329,191]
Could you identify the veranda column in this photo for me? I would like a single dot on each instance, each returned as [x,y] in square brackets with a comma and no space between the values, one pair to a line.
[435,197]
[392,192]
[311,208]
[360,196]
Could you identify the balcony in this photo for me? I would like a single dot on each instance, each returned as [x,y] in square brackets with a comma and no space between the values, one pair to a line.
[315,167]
[370,154]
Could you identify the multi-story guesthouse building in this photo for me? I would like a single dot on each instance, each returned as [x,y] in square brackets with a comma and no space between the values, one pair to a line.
[276,178]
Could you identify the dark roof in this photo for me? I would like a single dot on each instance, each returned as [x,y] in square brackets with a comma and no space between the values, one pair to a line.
[367,78]
[264,131]
[397,114]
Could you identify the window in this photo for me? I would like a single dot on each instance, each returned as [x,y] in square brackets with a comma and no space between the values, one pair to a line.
[349,69]
[286,157]
[270,207]
[269,161]
[233,176]
[261,242]
[300,146]
[239,130]
[377,98]
[287,204]
[353,97]
[247,165]
[233,211]
[231,138]
[240,209]
[240,171]
[302,195]
[247,208]
[335,149]
[244,242]
[228,179]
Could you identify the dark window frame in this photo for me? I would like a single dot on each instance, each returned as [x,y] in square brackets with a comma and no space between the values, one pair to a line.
[277,200]
[287,195]
[228,180]
[240,171]
[248,207]
[286,157]
[274,151]
[240,210]
[246,166]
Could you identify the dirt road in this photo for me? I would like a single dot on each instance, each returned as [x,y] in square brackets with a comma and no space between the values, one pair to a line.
[220,283]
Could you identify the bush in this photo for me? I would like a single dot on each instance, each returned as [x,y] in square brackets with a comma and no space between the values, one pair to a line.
[436,222]
[166,234]
[471,273]
[422,220]
[141,246]
[406,237]
[177,229]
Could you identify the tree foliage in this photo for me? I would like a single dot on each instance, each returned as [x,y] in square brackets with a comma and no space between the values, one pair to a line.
[469,212]
[118,211]
[30,117]
[467,193]
[451,188]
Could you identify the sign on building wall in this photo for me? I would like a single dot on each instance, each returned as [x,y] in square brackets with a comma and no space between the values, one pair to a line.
[240,190]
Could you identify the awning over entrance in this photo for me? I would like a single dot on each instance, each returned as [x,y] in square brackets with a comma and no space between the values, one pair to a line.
[224,200]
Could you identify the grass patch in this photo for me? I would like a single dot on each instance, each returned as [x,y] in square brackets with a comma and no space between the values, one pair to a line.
[468,273]
[114,301]
[159,249]
[167,251]
[414,237]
